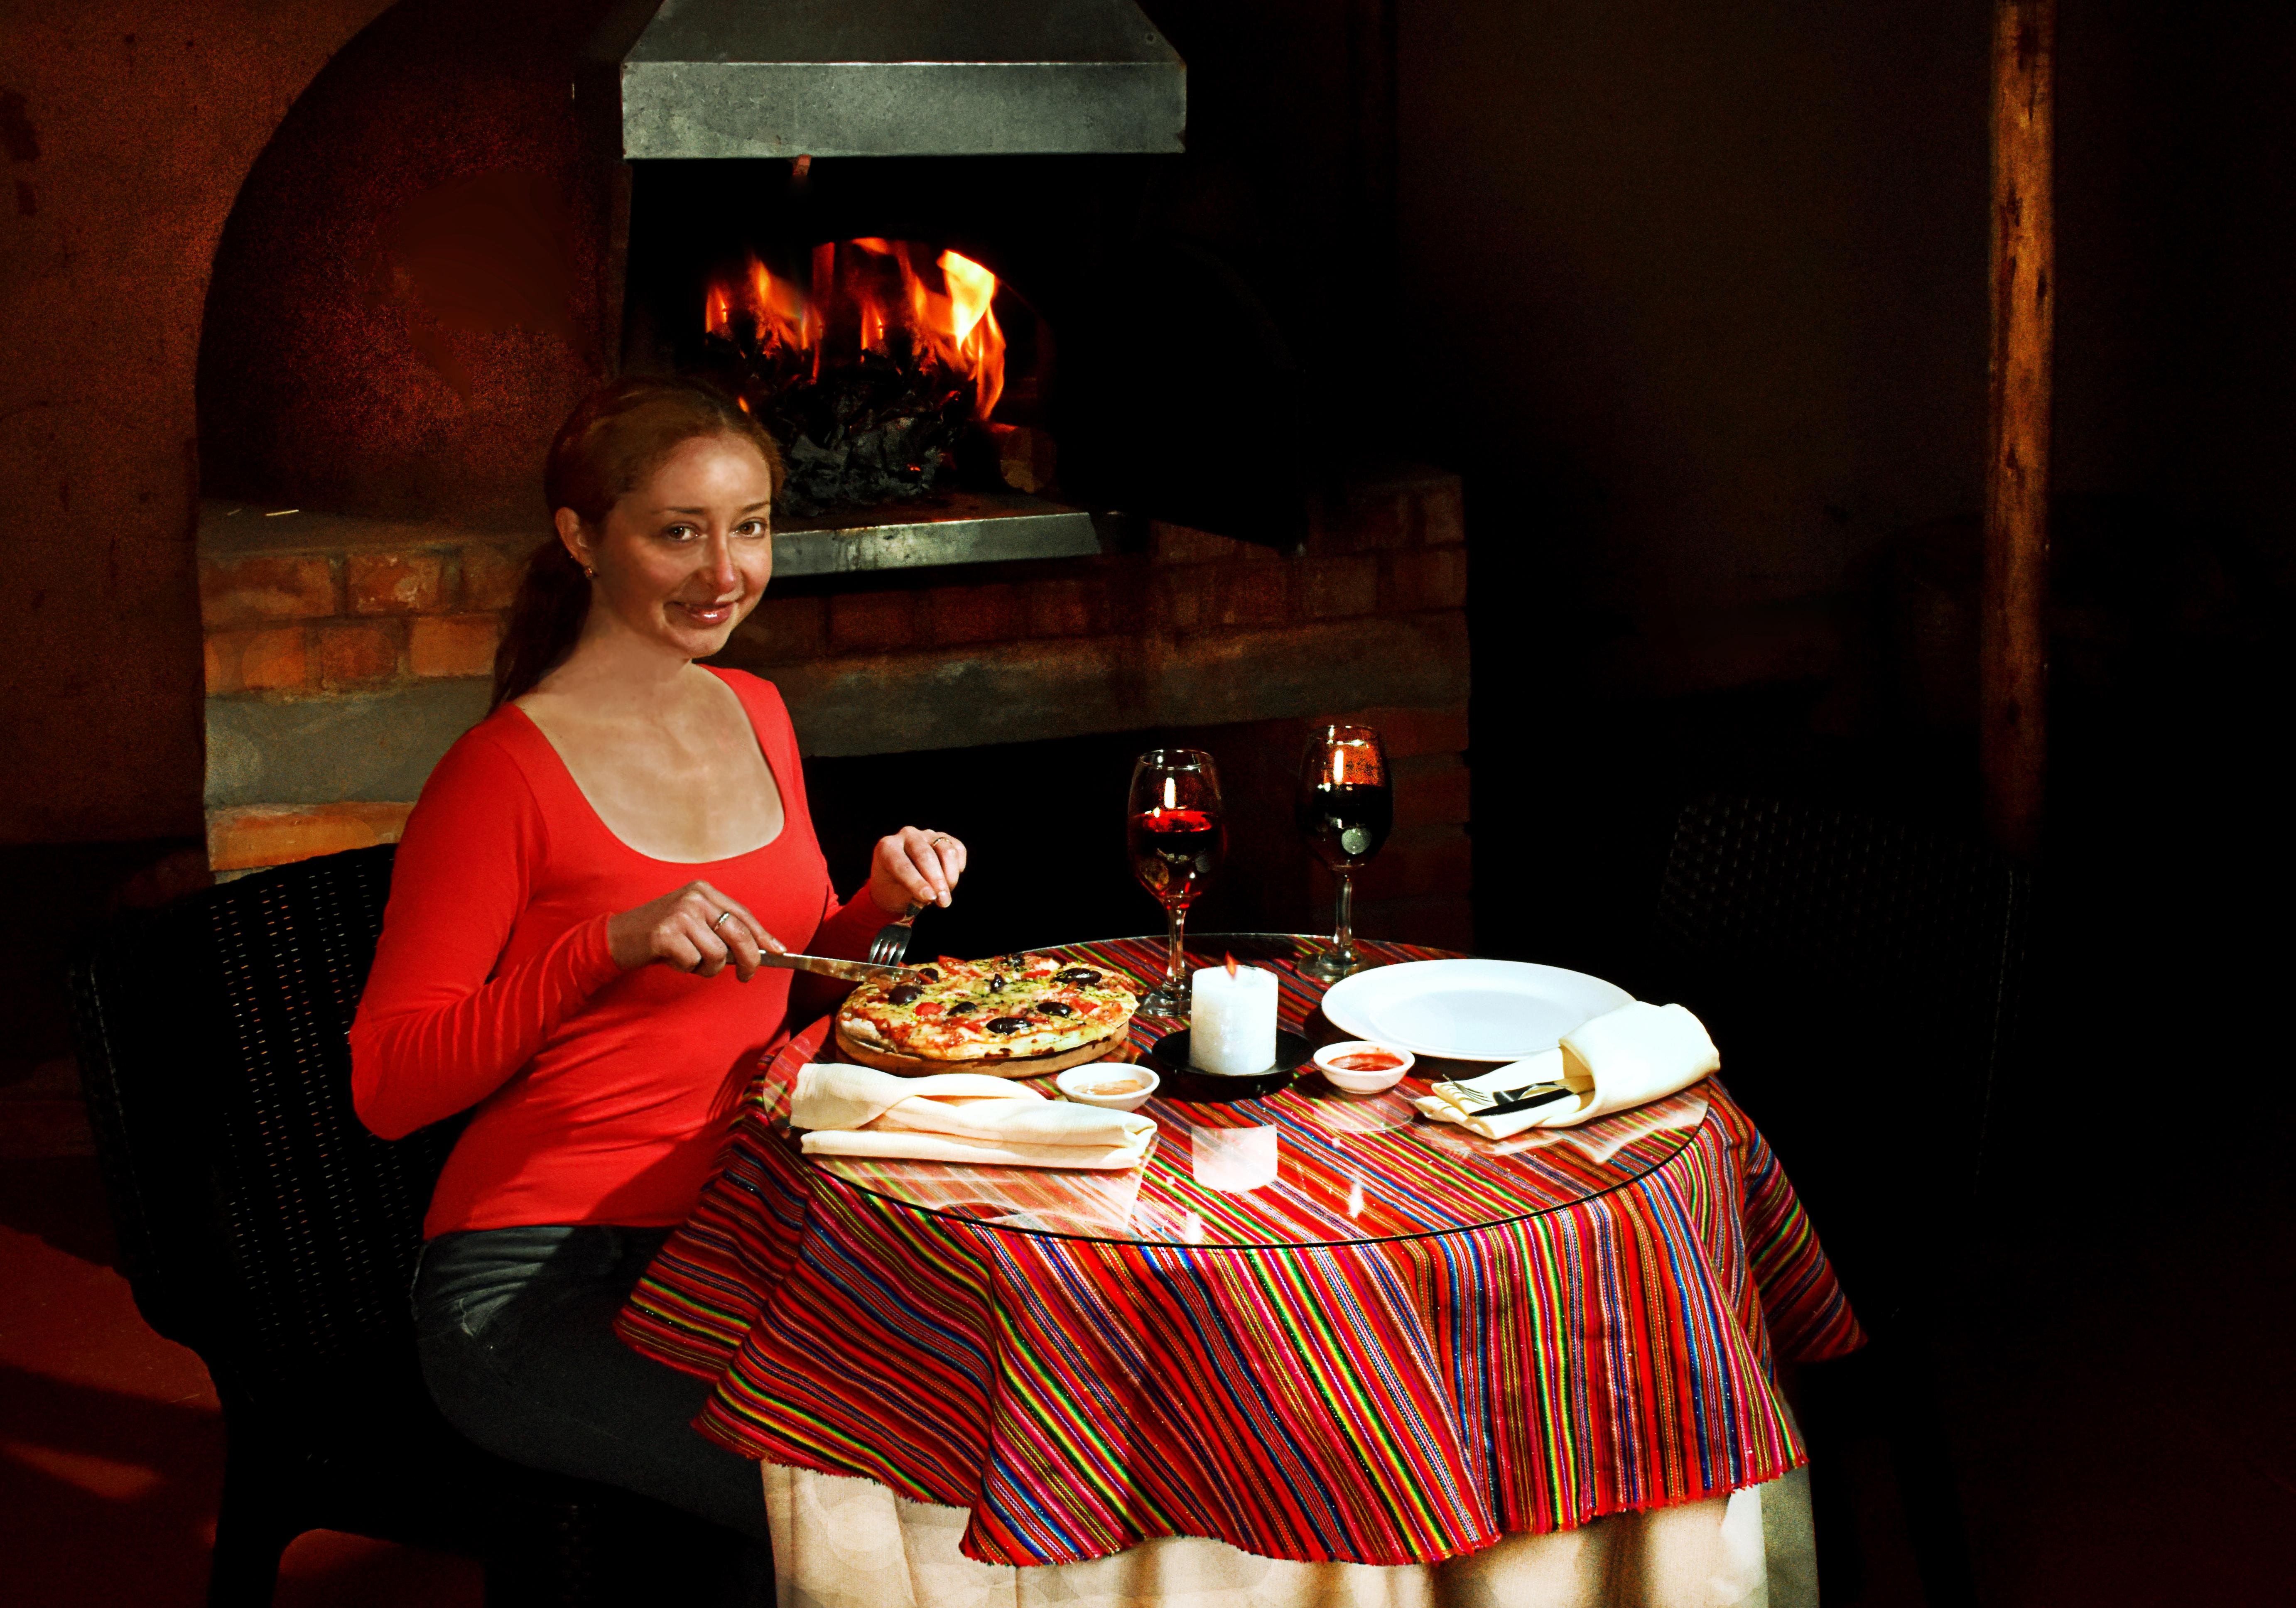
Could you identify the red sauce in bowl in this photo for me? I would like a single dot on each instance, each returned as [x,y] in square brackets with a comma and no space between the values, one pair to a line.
[1367,1061]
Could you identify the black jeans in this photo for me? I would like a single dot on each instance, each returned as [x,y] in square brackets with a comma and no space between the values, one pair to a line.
[515,1327]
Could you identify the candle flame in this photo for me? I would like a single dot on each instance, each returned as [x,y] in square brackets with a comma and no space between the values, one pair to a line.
[1231,966]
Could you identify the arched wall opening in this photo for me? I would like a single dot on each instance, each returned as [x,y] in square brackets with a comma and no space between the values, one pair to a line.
[412,289]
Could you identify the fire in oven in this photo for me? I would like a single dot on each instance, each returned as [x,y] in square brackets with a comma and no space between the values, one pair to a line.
[911,246]
[885,369]
[970,339]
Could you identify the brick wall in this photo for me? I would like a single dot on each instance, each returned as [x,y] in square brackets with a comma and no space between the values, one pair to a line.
[325,623]
[344,655]
[1187,582]
[338,616]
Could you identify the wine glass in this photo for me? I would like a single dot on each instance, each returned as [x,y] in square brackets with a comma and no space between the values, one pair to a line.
[1176,832]
[1346,808]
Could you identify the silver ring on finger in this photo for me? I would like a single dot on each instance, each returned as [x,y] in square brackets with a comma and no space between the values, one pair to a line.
[723,917]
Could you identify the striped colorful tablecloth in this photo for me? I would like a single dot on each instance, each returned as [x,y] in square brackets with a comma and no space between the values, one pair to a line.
[1403,1345]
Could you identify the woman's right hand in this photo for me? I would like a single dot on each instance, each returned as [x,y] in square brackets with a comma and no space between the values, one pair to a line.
[695,928]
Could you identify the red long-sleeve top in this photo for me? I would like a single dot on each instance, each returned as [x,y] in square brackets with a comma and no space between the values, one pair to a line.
[602,1095]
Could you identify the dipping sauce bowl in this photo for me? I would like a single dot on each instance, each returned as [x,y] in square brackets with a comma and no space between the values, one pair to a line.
[1116,1086]
[1361,1067]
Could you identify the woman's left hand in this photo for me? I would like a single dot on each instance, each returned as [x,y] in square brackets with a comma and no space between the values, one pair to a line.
[915,865]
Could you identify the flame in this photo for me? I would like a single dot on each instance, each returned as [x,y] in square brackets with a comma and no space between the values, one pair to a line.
[954,327]
[1231,966]
[979,342]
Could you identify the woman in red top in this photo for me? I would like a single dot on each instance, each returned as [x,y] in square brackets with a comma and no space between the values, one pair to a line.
[572,948]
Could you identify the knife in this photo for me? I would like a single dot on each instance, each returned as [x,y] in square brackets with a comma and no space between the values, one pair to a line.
[851,971]
[1531,1099]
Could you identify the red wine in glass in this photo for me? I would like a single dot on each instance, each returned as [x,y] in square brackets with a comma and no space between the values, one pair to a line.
[1173,851]
[1176,832]
[1345,808]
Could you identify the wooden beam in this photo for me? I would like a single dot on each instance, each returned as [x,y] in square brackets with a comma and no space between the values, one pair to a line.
[2013,643]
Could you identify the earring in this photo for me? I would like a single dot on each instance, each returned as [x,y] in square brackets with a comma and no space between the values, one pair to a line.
[587,571]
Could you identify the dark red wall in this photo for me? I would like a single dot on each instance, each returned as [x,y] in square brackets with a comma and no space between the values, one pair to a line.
[126,130]
[409,297]
[1701,291]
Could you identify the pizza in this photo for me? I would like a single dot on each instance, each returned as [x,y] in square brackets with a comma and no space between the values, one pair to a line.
[1015,1007]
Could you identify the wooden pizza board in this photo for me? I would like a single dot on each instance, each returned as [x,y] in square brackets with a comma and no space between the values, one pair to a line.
[1116,1046]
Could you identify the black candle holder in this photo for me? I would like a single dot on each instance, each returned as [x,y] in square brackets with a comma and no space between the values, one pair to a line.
[1180,1081]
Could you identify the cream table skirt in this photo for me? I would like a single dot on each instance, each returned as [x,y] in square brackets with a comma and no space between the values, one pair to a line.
[842,1543]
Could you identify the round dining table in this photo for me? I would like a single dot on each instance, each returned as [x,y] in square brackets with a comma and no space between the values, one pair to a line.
[1313,1326]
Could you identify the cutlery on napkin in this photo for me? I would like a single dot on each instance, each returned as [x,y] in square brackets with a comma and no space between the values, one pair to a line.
[858,1110]
[1626,1057]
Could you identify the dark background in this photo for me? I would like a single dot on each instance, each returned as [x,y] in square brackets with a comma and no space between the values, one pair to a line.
[1693,296]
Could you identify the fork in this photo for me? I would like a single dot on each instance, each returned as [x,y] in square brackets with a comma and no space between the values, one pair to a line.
[891,946]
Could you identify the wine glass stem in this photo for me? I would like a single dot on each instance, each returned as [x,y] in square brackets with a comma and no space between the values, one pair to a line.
[1175,964]
[1343,941]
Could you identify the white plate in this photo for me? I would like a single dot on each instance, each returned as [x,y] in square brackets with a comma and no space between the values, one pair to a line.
[1469,1009]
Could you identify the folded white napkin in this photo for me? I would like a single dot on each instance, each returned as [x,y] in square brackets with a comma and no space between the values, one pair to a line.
[858,1110]
[1626,1057]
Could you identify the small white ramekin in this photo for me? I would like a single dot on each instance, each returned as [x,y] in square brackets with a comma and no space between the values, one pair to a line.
[1362,1083]
[1076,1082]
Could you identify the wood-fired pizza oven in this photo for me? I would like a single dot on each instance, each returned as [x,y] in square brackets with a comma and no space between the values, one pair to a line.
[1163,522]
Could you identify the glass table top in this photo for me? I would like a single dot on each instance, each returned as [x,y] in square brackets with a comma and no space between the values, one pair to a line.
[1308,1165]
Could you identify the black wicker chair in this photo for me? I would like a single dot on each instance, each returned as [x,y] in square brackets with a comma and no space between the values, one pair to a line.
[1860,977]
[263,1227]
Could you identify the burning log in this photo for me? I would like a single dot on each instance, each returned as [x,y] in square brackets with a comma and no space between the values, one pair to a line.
[881,429]
[876,383]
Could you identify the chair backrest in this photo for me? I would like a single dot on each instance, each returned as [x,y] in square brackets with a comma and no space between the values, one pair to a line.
[260,1222]
[1860,976]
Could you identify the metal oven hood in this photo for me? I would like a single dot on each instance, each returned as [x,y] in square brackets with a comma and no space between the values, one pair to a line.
[901,78]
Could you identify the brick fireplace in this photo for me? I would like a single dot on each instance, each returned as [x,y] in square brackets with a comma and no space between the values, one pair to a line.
[369,464]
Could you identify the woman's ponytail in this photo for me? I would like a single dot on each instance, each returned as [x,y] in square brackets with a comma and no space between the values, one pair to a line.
[545,620]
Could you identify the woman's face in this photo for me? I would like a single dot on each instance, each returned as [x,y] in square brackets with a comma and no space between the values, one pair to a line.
[684,557]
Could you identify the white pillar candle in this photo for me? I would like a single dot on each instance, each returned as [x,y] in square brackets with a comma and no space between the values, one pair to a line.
[1232,1027]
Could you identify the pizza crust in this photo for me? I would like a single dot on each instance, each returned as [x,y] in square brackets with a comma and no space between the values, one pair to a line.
[862,1028]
